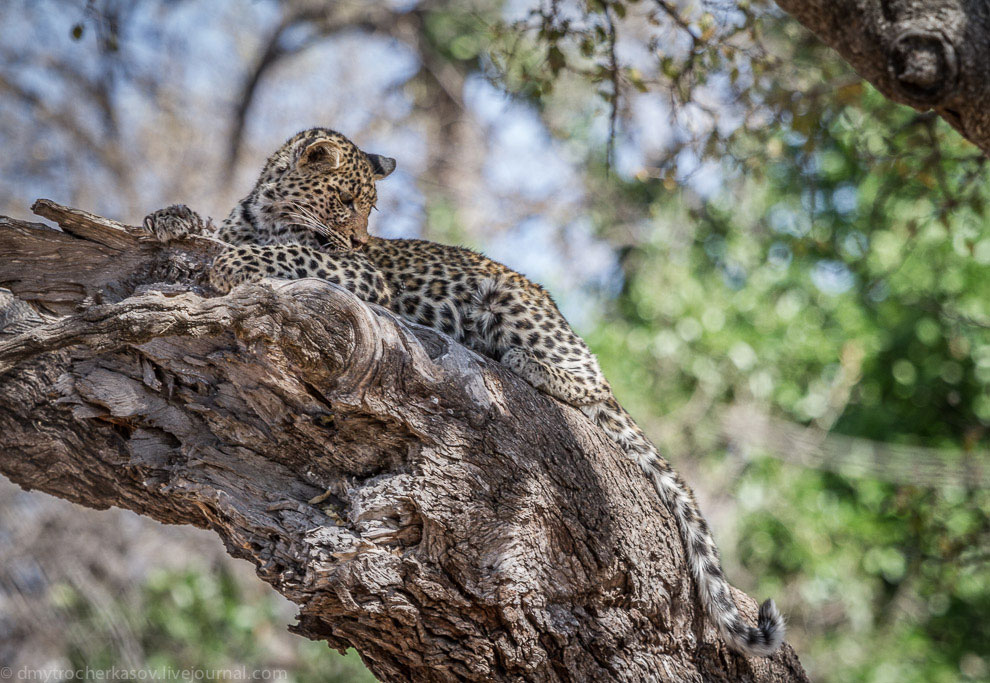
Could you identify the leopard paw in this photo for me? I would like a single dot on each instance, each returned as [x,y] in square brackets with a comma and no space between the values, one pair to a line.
[175,222]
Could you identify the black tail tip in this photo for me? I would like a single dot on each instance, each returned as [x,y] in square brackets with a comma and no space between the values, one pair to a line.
[761,641]
[769,615]
[770,629]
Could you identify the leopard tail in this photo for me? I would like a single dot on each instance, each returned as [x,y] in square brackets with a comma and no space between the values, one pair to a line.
[702,553]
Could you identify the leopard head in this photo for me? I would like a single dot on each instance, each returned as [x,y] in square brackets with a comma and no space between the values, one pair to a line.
[317,189]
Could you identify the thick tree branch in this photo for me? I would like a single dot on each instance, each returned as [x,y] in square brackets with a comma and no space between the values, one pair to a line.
[930,54]
[473,529]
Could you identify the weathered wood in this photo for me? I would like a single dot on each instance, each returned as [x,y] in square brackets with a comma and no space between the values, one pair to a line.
[474,529]
[92,259]
[930,54]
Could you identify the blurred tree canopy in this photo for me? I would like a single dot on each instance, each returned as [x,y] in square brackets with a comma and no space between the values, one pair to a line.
[737,222]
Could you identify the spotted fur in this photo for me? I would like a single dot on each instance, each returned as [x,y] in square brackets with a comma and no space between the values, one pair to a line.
[310,207]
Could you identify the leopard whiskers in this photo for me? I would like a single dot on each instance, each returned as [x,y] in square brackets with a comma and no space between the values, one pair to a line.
[305,217]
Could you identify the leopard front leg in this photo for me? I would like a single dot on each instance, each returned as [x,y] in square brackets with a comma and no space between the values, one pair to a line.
[176,222]
[576,383]
[516,322]
[252,262]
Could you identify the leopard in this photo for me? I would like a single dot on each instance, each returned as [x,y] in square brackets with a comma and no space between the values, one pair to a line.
[307,216]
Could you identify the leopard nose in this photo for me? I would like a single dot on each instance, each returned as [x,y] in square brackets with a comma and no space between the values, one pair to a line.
[359,231]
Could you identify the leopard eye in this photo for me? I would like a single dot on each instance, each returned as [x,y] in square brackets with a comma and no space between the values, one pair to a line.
[347,200]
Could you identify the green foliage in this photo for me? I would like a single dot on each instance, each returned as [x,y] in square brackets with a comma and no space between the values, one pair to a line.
[459,35]
[838,280]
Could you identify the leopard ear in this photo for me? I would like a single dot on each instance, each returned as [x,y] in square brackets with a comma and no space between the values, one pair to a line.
[381,166]
[322,153]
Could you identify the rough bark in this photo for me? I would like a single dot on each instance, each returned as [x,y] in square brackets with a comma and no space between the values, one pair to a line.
[930,54]
[474,529]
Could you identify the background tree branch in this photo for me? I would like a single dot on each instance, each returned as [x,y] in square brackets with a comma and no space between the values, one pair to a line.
[473,529]
[930,54]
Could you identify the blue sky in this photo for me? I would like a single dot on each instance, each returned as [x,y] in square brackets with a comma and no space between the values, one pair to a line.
[183,69]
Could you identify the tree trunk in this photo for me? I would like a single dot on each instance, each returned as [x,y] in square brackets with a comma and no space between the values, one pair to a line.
[472,529]
[930,54]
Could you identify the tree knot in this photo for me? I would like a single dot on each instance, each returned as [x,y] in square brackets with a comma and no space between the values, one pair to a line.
[923,66]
